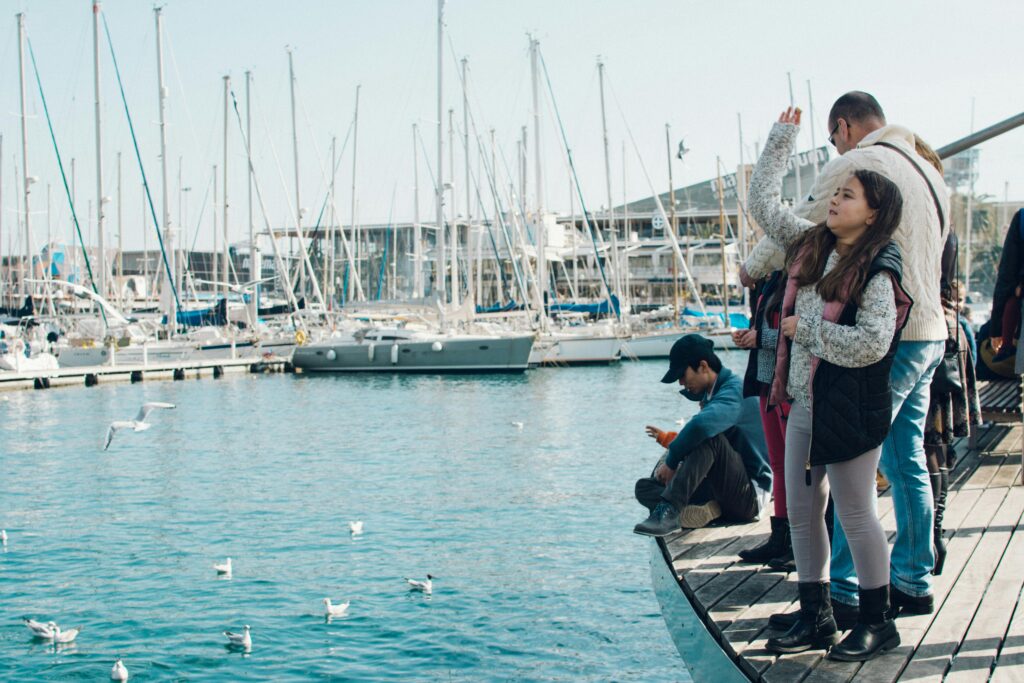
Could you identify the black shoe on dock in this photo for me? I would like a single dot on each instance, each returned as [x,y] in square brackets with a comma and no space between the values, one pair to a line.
[902,603]
[778,544]
[845,616]
[783,563]
[663,521]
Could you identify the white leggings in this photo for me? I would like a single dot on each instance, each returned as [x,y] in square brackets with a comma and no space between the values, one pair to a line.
[856,504]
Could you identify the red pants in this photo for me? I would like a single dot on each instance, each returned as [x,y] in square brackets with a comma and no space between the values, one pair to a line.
[1011,322]
[773,419]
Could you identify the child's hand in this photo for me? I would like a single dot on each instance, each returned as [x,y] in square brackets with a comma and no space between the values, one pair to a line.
[791,115]
[652,432]
[788,326]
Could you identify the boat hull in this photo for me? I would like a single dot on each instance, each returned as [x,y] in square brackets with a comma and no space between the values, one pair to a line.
[441,355]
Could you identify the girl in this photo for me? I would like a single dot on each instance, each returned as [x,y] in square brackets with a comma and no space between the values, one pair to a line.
[842,312]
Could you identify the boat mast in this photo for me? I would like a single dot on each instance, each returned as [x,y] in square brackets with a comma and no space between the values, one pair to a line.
[225,270]
[674,233]
[453,223]
[214,270]
[100,200]
[612,228]
[440,281]
[120,231]
[721,223]
[356,274]
[295,156]
[417,236]
[810,115]
[255,260]
[469,195]
[167,292]
[539,237]
[24,154]
[796,155]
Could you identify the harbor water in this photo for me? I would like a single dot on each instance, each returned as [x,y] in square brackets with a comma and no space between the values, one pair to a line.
[526,529]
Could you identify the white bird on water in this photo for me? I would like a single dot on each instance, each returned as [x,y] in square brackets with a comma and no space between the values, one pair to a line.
[518,425]
[421,586]
[3,536]
[139,424]
[242,639]
[50,631]
[119,672]
[338,610]
[355,527]
[223,567]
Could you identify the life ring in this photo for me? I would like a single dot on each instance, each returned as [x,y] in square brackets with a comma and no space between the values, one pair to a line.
[301,337]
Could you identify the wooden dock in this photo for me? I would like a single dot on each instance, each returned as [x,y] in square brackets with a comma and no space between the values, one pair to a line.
[101,374]
[717,609]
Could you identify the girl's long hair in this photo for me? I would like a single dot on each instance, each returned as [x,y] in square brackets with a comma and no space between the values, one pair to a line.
[847,279]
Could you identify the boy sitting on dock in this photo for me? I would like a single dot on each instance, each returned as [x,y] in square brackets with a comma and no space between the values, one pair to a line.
[717,465]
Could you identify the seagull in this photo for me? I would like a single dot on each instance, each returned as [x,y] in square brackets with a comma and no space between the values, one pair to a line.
[681,421]
[224,567]
[139,424]
[39,629]
[240,639]
[336,610]
[683,149]
[355,527]
[119,672]
[3,536]
[63,637]
[421,586]
[518,425]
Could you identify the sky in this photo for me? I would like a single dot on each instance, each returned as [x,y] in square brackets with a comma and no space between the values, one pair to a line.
[707,69]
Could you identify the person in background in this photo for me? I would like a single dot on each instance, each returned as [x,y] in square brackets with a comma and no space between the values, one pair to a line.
[761,339]
[954,405]
[1004,324]
[717,463]
[843,309]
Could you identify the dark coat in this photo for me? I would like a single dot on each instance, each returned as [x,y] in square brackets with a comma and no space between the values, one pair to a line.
[852,407]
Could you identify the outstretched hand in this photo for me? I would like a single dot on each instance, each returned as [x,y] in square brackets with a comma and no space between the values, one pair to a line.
[791,115]
[653,431]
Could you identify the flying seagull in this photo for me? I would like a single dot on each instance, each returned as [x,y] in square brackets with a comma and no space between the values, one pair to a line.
[139,424]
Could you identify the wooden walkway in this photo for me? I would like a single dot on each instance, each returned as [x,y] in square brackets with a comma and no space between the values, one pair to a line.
[976,632]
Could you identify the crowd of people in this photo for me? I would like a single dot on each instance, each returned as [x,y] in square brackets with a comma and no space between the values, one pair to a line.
[860,368]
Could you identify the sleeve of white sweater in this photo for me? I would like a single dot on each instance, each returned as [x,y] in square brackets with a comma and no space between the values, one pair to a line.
[778,221]
[814,206]
[765,258]
[861,344]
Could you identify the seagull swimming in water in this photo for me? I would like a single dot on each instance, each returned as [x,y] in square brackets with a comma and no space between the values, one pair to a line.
[223,567]
[421,586]
[518,425]
[355,527]
[139,424]
[119,672]
[338,610]
[3,536]
[50,631]
[242,639]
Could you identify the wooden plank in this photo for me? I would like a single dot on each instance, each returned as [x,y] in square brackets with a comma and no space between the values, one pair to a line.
[737,602]
[1010,664]
[947,631]
[968,503]
[978,652]
[986,469]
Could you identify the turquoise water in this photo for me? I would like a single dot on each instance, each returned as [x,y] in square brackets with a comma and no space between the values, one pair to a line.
[527,531]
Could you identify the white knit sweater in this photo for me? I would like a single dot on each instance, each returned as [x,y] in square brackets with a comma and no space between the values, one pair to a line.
[918,236]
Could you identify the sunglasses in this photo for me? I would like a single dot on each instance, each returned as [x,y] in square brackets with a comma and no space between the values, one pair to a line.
[832,135]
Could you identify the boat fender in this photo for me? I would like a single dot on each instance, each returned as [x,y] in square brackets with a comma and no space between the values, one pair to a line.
[436,346]
[394,354]
[369,352]
[301,337]
[331,355]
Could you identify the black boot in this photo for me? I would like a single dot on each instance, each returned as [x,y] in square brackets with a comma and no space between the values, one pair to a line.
[784,562]
[846,617]
[874,634]
[777,544]
[940,486]
[814,629]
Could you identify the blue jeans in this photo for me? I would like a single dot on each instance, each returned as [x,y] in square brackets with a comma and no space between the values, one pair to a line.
[903,464]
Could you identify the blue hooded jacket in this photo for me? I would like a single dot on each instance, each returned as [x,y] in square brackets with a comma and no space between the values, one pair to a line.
[726,412]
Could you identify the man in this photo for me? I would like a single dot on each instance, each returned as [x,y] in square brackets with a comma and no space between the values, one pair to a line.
[858,129]
[714,464]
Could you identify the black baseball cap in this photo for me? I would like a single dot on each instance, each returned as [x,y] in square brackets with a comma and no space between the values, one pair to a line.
[689,350]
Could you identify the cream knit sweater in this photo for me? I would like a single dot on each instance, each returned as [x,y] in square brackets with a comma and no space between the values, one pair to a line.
[918,236]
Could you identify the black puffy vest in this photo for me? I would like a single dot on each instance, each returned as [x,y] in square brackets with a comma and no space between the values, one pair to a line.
[853,406]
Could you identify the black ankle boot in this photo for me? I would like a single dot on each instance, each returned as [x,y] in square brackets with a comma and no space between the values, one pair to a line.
[940,487]
[846,617]
[777,544]
[814,629]
[874,634]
